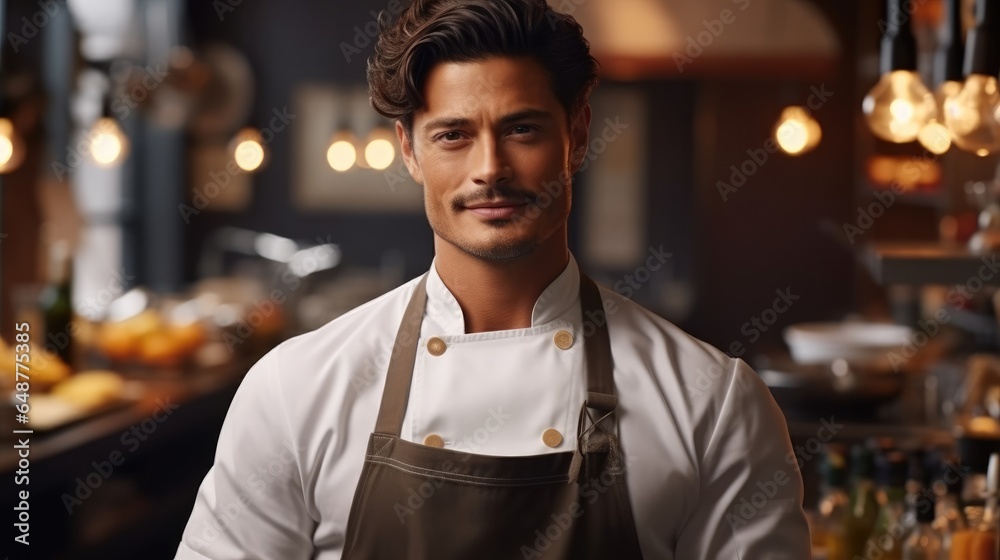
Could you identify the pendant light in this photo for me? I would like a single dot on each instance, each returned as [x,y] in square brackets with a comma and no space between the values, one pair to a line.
[948,62]
[380,151]
[796,131]
[109,146]
[971,114]
[899,105]
[248,150]
[12,148]
[342,153]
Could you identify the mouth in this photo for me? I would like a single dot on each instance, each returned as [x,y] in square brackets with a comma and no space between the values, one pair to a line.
[496,209]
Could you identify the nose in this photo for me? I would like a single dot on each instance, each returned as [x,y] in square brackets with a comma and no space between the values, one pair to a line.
[490,166]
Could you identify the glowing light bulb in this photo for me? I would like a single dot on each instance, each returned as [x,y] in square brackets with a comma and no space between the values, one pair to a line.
[6,149]
[249,155]
[796,131]
[971,115]
[947,90]
[898,106]
[380,149]
[380,153]
[935,137]
[341,155]
[11,147]
[901,110]
[248,149]
[108,144]
[792,136]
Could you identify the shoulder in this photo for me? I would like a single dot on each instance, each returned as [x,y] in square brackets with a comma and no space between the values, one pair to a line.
[663,346]
[671,374]
[339,357]
[352,331]
[677,388]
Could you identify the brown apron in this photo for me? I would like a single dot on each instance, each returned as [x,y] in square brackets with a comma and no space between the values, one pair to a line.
[419,502]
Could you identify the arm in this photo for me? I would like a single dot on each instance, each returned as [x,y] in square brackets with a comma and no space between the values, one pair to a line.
[251,503]
[750,499]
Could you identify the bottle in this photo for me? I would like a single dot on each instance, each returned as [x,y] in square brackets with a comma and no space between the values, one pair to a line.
[56,303]
[918,483]
[886,541]
[832,506]
[949,520]
[961,542]
[924,543]
[984,540]
[862,506]
[979,496]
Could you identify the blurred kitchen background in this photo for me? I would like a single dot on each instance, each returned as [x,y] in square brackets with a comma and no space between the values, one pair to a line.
[810,185]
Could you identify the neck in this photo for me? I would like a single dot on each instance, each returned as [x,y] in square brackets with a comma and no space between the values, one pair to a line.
[499,295]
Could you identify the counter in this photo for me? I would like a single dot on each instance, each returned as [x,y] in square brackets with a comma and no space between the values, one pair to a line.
[121,484]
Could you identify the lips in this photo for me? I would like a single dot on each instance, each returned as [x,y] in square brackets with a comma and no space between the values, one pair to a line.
[496,209]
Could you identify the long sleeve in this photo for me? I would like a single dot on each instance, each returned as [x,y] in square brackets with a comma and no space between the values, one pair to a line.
[251,503]
[750,496]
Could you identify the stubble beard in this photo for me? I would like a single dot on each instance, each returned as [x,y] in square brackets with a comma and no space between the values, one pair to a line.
[497,251]
[504,245]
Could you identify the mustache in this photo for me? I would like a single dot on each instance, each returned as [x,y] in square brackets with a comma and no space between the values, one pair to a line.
[492,193]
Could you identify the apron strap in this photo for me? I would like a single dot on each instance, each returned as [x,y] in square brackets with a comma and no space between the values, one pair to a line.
[596,433]
[597,345]
[396,393]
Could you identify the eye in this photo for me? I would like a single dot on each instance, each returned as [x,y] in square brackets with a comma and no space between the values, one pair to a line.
[450,136]
[523,129]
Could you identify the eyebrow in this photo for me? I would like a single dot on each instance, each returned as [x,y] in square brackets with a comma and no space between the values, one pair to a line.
[458,122]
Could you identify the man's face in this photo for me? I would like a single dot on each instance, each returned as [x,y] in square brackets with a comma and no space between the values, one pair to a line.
[494,152]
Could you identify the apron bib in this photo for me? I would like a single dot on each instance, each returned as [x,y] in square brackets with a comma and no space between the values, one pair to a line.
[418,502]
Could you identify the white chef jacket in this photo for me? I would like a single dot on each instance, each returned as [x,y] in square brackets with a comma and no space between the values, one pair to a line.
[710,469]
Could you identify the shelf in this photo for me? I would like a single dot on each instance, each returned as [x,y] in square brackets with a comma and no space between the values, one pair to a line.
[928,436]
[928,263]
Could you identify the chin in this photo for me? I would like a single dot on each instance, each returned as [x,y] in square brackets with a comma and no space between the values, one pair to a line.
[505,250]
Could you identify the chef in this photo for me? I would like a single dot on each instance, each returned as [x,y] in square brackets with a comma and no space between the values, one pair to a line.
[502,405]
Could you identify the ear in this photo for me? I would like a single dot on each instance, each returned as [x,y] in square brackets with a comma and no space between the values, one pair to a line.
[579,137]
[409,158]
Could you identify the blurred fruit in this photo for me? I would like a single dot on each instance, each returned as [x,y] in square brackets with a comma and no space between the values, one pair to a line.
[151,340]
[161,349]
[116,341]
[7,367]
[147,322]
[121,340]
[47,369]
[90,389]
[189,336]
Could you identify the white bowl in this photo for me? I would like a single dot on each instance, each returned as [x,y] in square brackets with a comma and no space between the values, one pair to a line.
[857,342]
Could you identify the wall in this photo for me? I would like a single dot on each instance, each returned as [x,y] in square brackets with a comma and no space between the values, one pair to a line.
[737,253]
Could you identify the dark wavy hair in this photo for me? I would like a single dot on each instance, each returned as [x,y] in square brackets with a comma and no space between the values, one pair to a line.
[429,32]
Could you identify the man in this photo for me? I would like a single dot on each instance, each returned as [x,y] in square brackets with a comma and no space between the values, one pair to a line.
[501,405]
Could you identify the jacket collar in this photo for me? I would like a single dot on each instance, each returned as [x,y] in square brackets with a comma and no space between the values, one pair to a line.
[555,301]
